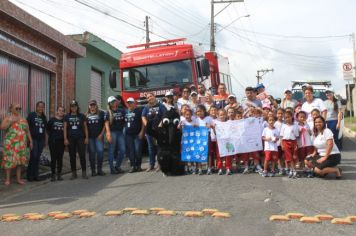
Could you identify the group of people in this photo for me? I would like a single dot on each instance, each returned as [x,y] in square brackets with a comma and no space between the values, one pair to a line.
[296,135]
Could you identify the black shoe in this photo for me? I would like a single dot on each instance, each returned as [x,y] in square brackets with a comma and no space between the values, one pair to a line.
[138,169]
[74,175]
[113,172]
[53,177]
[84,175]
[132,170]
[119,170]
[93,173]
[101,173]
[59,177]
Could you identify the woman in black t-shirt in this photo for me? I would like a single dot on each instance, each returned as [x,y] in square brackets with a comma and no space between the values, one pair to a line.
[56,143]
[76,137]
[97,124]
[37,122]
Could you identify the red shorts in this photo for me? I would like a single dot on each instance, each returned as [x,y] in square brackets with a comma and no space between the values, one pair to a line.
[304,151]
[289,149]
[271,155]
[246,156]
[280,153]
[213,146]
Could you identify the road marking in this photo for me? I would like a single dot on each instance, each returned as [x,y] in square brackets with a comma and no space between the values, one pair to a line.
[341,221]
[309,219]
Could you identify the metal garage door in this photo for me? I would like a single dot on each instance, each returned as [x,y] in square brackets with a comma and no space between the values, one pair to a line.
[96,86]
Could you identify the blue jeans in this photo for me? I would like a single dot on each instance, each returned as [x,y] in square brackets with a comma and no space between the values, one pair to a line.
[33,164]
[152,150]
[134,146]
[96,148]
[117,143]
[331,124]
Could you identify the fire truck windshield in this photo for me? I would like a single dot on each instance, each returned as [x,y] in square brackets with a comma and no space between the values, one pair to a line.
[157,75]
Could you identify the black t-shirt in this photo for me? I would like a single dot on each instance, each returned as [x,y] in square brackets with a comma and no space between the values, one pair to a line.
[118,120]
[150,112]
[95,123]
[75,125]
[133,121]
[55,129]
[37,124]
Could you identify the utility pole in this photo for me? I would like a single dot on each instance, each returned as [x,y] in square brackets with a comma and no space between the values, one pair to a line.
[147,31]
[212,22]
[262,72]
[354,55]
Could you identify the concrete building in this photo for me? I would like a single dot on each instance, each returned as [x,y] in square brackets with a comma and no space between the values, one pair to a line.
[92,71]
[36,62]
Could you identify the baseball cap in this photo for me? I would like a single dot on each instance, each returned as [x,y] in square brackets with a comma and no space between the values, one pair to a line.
[330,89]
[193,93]
[169,93]
[260,86]
[92,102]
[111,99]
[74,103]
[305,85]
[288,90]
[130,100]
[231,96]
[266,106]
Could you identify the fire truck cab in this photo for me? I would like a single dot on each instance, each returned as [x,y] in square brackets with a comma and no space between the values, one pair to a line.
[168,65]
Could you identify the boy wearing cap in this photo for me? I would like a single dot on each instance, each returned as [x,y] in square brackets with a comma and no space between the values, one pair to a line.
[287,100]
[251,101]
[134,133]
[232,103]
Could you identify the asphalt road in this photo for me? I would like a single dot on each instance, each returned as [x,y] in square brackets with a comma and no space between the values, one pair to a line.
[251,199]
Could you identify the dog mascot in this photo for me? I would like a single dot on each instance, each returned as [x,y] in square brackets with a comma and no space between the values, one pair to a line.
[164,130]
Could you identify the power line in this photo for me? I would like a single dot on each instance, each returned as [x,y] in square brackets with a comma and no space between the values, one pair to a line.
[190,14]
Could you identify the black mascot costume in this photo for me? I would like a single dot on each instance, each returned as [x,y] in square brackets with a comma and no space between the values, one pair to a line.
[168,136]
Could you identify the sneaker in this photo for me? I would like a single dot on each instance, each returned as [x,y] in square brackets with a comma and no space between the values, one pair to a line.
[290,174]
[101,173]
[271,174]
[281,172]
[264,174]
[295,175]
[59,177]
[132,170]
[209,172]
[149,169]
[93,173]
[113,172]
[228,172]
[220,172]
[119,170]
[310,175]
[200,172]
[245,171]
[138,169]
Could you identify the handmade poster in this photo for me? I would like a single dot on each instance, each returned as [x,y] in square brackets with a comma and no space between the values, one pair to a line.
[239,136]
[195,144]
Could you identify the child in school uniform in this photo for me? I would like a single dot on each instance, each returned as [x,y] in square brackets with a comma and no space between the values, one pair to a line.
[305,146]
[270,136]
[231,114]
[222,117]
[278,125]
[289,134]
[213,112]
[187,120]
[202,119]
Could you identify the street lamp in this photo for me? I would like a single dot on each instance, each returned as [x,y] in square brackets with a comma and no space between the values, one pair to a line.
[238,18]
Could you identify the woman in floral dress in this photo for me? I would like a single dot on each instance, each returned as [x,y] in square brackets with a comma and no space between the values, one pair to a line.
[17,143]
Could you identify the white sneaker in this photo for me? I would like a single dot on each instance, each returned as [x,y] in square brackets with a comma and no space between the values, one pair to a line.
[245,171]
[220,172]
[209,172]
[228,172]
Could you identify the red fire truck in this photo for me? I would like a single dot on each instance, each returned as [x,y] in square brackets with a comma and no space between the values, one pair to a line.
[168,65]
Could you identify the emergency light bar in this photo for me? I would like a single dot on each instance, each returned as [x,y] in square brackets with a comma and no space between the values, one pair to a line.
[166,42]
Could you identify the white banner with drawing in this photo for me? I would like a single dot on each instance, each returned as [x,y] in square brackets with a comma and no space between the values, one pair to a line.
[239,136]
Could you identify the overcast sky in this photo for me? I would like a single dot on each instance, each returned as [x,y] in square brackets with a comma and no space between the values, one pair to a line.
[300,40]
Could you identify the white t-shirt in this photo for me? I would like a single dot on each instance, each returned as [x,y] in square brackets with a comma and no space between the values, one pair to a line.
[331,114]
[317,103]
[289,103]
[181,102]
[278,125]
[289,132]
[320,142]
[183,121]
[212,132]
[304,135]
[205,121]
[270,133]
